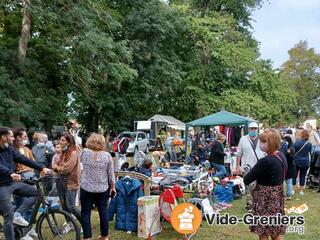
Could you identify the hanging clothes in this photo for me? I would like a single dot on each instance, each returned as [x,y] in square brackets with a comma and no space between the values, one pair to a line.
[124,205]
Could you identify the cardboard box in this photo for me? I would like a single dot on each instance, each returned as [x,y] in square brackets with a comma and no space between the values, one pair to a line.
[148,216]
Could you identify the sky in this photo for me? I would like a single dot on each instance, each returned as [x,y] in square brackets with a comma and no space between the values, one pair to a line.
[280,24]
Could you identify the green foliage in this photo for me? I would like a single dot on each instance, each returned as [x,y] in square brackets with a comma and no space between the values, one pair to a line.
[108,63]
[301,74]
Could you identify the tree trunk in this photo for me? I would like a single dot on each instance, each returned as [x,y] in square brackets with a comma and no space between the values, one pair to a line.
[25,31]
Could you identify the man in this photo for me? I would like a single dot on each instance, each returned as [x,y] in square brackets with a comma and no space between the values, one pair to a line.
[9,183]
[249,153]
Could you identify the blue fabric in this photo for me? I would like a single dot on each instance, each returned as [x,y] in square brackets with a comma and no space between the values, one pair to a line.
[302,156]
[101,201]
[145,171]
[220,170]
[124,205]
[302,176]
[289,187]
[223,193]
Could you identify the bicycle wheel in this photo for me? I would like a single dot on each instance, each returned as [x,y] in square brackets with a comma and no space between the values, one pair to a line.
[58,224]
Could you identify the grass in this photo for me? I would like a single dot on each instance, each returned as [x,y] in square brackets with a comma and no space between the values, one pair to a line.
[239,231]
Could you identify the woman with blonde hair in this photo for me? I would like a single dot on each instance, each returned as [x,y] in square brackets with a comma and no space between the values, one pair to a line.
[269,173]
[97,183]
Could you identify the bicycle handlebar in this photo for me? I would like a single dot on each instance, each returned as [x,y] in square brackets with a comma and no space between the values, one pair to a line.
[34,180]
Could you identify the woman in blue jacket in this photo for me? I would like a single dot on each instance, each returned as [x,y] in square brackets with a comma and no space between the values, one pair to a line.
[302,159]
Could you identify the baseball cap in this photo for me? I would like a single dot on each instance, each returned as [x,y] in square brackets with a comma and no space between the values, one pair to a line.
[253,125]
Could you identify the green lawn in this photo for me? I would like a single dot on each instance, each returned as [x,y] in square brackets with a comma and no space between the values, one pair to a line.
[240,231]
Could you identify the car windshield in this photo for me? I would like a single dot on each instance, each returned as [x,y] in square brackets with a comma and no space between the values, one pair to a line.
[131,136]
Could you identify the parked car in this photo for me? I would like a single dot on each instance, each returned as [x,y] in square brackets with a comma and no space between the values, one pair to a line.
[138,141]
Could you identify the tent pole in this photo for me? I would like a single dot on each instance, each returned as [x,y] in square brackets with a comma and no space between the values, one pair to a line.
[186,136]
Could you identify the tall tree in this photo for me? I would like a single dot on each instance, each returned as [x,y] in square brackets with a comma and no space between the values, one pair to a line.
[25,31]
[301,73]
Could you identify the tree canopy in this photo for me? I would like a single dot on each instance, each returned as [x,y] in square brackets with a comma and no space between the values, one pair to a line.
[108,63]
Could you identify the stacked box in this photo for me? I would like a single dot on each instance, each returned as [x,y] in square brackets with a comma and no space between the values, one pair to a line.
[148,216]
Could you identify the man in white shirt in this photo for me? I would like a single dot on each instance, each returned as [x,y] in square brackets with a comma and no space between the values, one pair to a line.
[249,153]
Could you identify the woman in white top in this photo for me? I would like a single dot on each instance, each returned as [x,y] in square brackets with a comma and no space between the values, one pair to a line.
[97,183]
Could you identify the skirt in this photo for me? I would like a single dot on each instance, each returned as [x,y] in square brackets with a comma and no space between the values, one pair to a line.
[268,201]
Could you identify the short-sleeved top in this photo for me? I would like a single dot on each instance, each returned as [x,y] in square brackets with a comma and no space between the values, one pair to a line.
[98,172]
[246,153]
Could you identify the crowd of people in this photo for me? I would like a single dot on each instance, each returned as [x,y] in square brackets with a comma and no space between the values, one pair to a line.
[266,160]
[19,158]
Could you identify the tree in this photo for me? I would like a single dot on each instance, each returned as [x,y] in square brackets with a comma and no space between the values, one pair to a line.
[301,74]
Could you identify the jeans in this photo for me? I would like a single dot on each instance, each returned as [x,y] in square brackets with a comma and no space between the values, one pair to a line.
[289,187]
[302,176]
[100,200]
[221,170]
[6,208]
[68,199]
[19,200]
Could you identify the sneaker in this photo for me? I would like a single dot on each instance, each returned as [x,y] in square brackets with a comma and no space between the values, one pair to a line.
[32,233]
[68,227]
[19,220]
[26,237]
[301,193]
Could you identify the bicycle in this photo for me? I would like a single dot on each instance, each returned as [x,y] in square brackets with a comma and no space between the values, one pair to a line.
[52,221]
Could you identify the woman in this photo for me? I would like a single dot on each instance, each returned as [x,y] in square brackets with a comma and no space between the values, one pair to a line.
[20,141]
[303,150]
[217,156]
[269,172]
[68,167]
[291,172]
[97,181]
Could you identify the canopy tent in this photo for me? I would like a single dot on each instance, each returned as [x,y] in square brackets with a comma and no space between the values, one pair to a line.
[171,122]
[217,119]
[221,118]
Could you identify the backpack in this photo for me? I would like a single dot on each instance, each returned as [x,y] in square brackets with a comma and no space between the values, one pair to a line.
[115,145]
[123,145]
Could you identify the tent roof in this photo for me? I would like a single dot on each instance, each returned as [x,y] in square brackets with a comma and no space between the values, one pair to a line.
[175,123]
[221,118]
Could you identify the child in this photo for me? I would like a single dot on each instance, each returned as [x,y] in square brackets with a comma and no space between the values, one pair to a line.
[146,167]
[57,156]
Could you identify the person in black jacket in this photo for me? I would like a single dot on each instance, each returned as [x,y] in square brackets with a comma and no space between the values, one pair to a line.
[217,156]
[291,172]
[9,183]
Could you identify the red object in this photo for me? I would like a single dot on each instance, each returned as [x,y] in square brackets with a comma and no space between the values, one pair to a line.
[168,196]
[178,142]
[225,181]
[178,193]
[115,145]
